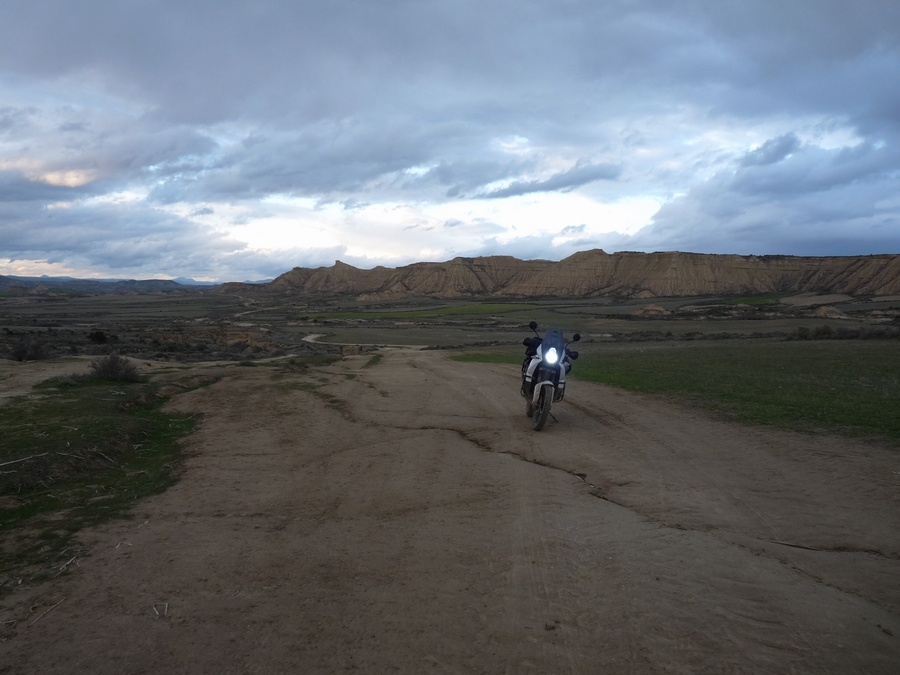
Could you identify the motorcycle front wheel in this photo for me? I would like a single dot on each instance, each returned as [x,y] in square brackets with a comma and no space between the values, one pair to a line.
[542,409]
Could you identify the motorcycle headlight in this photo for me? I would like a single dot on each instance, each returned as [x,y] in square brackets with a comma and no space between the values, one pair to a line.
[551,356]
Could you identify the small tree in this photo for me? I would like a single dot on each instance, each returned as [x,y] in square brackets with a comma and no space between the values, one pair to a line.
[115,368]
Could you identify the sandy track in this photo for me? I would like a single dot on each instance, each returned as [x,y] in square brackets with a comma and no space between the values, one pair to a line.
[404,518]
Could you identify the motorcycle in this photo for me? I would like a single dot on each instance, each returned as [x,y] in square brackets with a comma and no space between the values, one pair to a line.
[547,361]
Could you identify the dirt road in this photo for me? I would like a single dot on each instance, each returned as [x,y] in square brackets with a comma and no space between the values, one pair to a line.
[404,518]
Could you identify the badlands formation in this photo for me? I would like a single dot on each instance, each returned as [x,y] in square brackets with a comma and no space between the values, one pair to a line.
[597,273]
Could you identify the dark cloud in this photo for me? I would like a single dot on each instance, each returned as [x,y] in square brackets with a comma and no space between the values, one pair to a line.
[788,198]
[69,127]
[322,160]
[531,67]
[468,175]
[111,237]
[581,174]
[423,102]
[773,150]
[15,187]
[12,119]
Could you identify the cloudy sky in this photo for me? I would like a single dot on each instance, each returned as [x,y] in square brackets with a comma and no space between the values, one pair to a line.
[228,141]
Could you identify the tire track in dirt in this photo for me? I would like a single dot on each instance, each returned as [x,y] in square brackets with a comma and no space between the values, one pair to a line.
[427,527]
[696,479]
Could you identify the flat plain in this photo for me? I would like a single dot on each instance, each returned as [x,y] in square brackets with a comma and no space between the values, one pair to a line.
[398,513]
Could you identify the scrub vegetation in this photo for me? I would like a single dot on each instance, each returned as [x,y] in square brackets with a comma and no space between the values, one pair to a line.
[77,451]
[300,363]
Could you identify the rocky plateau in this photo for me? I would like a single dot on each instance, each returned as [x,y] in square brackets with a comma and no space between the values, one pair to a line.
[596,273]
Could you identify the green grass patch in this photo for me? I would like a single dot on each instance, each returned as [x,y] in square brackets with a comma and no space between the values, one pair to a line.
[300,363]
[461,310]
[848,386]
[73,454]
[373,360]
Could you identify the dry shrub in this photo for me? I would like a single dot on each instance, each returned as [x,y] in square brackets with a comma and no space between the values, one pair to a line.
[27,350]
[67,379]
[114,367]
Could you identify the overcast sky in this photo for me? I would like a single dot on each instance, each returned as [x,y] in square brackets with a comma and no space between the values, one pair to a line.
[229,141]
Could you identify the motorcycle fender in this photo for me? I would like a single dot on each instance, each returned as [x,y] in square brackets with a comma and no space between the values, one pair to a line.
[529,374]
[537,390]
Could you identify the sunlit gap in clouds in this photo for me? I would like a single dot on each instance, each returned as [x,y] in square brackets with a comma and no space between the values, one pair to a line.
[394,233]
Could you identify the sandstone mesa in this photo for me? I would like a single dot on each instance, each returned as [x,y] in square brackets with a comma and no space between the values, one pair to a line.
[597,273]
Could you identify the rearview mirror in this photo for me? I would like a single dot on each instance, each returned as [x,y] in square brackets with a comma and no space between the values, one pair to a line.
[533,325]
[576,337]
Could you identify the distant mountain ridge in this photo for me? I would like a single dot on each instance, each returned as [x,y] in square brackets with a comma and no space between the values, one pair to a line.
[98,285]
[597,273]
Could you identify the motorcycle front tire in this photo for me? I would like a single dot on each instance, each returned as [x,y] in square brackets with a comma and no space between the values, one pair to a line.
[542,409]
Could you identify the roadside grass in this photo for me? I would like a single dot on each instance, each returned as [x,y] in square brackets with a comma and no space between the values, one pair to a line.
[299,363]
[461,310]
[76,452]
[373,360]
[849,387]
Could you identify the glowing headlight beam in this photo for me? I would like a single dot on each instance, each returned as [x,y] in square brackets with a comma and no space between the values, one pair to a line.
[551,356]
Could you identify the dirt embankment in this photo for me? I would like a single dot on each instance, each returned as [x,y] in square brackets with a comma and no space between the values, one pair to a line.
[404,517]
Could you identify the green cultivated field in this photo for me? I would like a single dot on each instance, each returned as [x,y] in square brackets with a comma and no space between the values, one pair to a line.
[849,386]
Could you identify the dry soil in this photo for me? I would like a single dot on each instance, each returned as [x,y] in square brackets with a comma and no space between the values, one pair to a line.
[404,518]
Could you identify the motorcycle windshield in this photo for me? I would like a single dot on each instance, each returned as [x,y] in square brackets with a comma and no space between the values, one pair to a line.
[553,338]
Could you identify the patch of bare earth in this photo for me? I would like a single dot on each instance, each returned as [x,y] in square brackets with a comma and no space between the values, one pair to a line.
[404,517]
[17,379]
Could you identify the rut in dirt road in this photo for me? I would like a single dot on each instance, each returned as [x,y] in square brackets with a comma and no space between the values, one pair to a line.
[405,517]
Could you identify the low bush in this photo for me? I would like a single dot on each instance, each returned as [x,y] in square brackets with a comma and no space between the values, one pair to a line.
[27,350]
[66,380]
[114,368]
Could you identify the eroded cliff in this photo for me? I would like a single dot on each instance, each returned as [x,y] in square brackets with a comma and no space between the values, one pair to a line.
[595,272]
